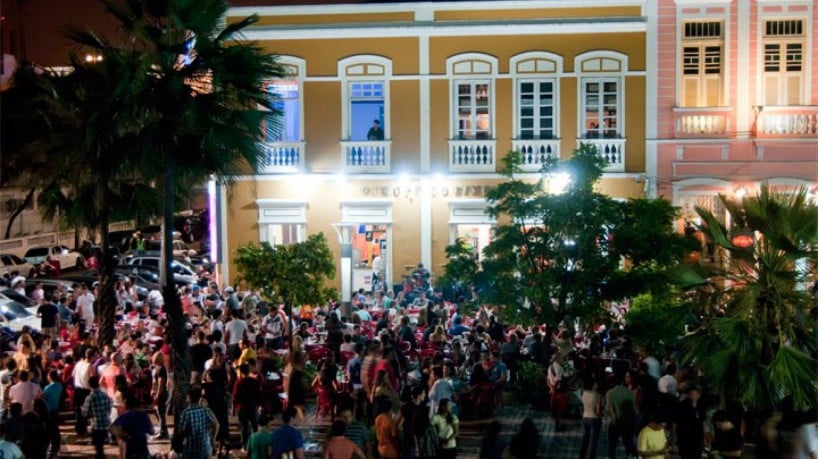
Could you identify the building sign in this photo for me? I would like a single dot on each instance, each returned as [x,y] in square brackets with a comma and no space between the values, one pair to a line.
[436,191]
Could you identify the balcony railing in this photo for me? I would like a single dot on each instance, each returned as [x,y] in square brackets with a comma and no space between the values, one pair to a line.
[364,156]
[702,122]
[471,155]
[612,150]
[793,121]
[282,157]
[536,153]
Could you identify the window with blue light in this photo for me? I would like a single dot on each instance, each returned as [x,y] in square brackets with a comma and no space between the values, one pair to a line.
[285,98]
[366,111]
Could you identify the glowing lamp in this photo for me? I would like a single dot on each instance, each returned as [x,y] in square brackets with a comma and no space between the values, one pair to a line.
[742,240]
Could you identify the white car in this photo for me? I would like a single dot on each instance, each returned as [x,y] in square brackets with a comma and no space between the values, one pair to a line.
[10,262]
[15,316]
[67,258]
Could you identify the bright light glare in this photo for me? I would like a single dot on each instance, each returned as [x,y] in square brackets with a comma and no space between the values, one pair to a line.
[741,192]
[438,177]
[559,183]
[340,179]
[403,178]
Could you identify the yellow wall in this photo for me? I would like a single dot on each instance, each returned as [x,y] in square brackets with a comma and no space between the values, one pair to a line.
[440,124]
[322,125]
[569,97]
[292,19]
[635,124]
[322,56]
[540,13]
[568,46]
[405,125]
[504,116]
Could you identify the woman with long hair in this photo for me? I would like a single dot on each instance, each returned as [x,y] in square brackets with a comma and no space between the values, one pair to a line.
[447,426]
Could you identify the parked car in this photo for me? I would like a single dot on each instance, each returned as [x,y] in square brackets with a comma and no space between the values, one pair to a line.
[182,275]
[12,294]
[15,316]
[10,262]
[68,258]
[180,248]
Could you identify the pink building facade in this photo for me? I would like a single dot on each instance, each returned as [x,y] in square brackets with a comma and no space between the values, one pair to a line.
[734,101]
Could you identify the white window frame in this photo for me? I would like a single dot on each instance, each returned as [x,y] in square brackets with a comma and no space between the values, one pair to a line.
[361,69]
[702,43]
[536,67]
[472,68]
[281,212]
[703,16]
[601,67]
[806,53]
[295,70]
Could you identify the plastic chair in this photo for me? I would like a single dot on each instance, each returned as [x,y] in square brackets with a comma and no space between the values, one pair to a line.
[346,356]
[317,353]
[405,346]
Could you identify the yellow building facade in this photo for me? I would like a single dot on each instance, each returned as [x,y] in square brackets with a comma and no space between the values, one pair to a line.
[453,87]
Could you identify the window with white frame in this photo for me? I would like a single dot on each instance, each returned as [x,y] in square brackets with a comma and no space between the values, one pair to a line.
[536,109]
[472,76]
[365,97]
[601,94]
[473,110]
[783,47]
[282,222]
[702,63]
[285,96]
[366,110]
[600,107]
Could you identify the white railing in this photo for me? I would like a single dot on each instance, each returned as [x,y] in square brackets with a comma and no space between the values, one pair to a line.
[788,121]
[282,157]
[366,156]
[471,155]
[612,150]
[536,153]
[702,122]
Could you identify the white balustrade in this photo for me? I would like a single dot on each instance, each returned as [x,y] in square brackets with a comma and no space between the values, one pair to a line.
[535,153]
[366,156]
[282,157]
[612,150]
[788,121]
[701,124]
[471,155]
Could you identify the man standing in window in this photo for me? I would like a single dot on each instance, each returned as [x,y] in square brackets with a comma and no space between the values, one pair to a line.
[375,132]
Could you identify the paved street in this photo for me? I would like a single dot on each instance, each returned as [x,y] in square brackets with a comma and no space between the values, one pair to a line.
[557,445]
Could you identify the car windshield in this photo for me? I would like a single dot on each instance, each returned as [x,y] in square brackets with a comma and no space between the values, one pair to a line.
[13,310]
[39,252]
[17,260]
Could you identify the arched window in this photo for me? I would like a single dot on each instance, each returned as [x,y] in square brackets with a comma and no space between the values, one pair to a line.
[601,94]
[365,97]
[472,76]
[287,95]
[536,93]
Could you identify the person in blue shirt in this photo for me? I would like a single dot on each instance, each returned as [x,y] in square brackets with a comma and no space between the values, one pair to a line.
[287,439]
[457,327]
[52,394]
[132,429]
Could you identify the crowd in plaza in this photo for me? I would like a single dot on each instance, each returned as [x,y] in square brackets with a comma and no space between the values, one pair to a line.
[392,374]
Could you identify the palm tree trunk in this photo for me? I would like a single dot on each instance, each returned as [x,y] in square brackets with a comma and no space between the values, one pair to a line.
[18,211]
[107,298]
[180,359]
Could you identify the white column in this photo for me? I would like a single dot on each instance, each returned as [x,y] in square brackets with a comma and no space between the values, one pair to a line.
[425,123]
[743,99]
[651,11]
[221,189]
[426,224]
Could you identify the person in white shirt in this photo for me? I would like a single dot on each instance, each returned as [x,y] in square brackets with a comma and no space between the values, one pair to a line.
[83,370]
[155,299]
[273,327]
[234,332]
[10,450]
[25,392]
[85,306]
[667,383]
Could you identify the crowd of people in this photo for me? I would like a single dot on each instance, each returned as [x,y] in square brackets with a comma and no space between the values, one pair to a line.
[392,374]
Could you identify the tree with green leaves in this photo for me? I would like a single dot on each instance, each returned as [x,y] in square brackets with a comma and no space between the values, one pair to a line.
[294,274]
[761,346]
[557,255]
[198,108]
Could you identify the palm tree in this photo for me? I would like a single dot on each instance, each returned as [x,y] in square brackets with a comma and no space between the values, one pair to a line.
[200,108]
[761,348]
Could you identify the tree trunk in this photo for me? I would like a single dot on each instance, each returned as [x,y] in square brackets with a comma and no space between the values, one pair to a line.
[18,211]
[107,298]
[180,358]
